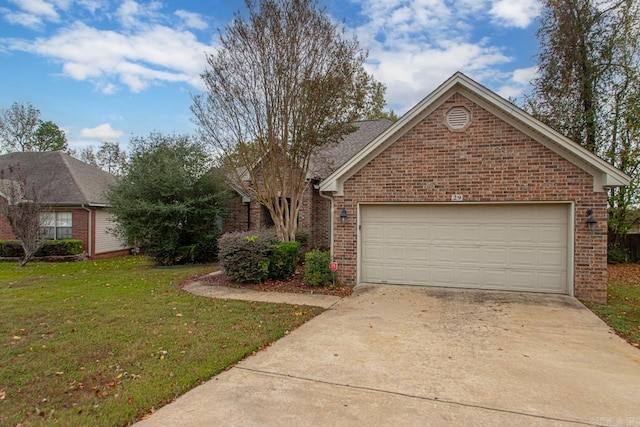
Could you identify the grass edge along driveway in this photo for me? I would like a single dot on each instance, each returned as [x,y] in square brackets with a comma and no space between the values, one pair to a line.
[105,342]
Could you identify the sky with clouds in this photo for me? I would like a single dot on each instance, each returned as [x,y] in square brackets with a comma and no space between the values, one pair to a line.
[110,70]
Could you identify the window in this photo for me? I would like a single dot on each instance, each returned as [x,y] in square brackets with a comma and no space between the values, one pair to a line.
[56,225]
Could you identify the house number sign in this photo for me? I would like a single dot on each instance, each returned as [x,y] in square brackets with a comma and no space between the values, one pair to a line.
[456,197]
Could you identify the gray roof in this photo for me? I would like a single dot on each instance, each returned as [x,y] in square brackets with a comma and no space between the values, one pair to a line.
[73,182]
[332,156]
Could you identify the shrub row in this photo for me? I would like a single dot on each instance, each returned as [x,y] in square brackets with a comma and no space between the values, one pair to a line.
[250,257]
[13,248]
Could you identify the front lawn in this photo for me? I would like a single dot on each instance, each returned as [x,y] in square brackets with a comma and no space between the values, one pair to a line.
[622,311]
[106,342]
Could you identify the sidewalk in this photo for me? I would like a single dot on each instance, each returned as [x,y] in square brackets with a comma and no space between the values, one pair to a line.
[223,292]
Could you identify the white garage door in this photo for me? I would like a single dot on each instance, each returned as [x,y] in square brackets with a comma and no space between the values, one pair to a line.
[521,247]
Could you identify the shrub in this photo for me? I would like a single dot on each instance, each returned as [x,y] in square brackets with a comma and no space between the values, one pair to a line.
[245,255]
[282,262]
[13,248]
[616,255]
[317,271]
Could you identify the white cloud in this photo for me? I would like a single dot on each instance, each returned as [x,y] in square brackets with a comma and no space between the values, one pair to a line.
[27,20]
[101,132]
[151,55]
[131,13]
[414,45]
[192,20]
[38,8]
[512,13]
[518,82]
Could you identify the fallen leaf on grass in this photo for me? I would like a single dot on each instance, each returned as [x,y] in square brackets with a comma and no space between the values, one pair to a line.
[3,395]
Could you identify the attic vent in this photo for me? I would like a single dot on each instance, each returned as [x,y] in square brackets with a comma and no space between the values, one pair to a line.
[458,118]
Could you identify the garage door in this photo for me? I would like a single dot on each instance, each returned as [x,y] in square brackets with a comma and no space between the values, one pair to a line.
[519,247]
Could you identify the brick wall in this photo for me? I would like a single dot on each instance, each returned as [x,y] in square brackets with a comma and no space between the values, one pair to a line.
[236,215]
[489,161]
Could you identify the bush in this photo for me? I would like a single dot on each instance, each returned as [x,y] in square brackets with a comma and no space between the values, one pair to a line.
[616,255]
[13,248]
[282,262]
[317,271]
[245,255]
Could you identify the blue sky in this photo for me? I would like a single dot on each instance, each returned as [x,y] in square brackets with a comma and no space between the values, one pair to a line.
[110,70]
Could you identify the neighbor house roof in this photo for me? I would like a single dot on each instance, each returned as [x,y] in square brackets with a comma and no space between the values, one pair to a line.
[604,174]
[72,181]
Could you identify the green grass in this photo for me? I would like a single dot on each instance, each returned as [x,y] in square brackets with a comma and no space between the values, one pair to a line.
[622,311]
[105,342]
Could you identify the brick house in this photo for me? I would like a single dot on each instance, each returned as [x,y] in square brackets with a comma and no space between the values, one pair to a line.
[77,196]
[243,213]
[465,190]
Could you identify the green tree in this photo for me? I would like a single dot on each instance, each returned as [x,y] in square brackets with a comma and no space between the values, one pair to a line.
[168,201]
[49,137]
[589,86]
[283,82]
[22,130]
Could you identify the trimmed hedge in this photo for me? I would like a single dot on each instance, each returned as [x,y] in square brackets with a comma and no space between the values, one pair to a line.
[13,248]
[245,256]
[317,271]
[282,262]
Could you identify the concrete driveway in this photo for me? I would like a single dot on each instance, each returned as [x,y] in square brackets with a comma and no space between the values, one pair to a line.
[396,355]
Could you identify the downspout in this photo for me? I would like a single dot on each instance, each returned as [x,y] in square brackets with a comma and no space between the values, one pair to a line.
[330,198]
[89,231]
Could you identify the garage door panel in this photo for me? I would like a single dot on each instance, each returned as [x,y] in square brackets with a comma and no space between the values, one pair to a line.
[513,247]
[552,259]
[442,233]
[467,255]
[442,255]
[373,251]
[524,235]
[552,235]
[469,276]
[442,276]
[468,233]
[494,234]
[394,253]
[418,254]
[395,232]
[495,256]
[523,257]
[419,233]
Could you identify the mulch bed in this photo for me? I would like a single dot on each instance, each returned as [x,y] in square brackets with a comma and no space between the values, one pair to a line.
[295,284]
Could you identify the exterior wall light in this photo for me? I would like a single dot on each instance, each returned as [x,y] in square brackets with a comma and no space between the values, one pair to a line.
[591,221]
[343,215]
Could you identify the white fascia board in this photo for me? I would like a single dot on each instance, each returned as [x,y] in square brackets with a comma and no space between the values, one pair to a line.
[604,174]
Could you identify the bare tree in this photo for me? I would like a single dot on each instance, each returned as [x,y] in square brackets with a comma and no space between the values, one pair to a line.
[18,125]
[22,206]
[282,84]
[589,86]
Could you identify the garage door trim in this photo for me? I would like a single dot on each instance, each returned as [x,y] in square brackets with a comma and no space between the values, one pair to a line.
[570,229]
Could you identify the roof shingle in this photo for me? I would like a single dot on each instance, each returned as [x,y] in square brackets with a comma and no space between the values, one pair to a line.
[75,182]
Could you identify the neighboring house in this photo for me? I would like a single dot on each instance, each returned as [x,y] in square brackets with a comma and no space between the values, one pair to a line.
[467,190]
[77,194]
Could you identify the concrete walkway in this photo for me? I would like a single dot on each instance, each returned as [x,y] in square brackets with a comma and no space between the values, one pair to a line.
[223,292]
[411,356]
